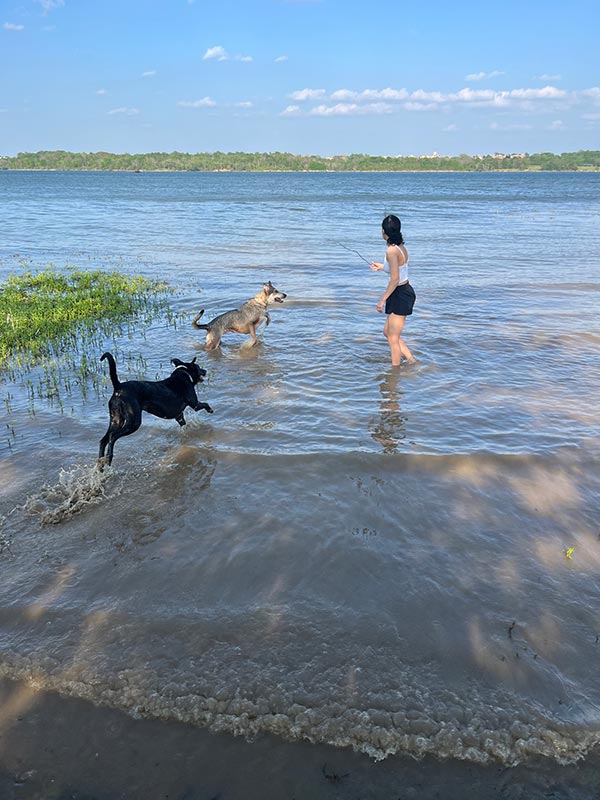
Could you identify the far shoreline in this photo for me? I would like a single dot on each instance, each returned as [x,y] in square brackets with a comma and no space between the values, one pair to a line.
[310,171]
[277,161]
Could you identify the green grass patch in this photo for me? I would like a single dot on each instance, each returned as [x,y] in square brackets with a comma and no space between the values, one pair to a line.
[44,312]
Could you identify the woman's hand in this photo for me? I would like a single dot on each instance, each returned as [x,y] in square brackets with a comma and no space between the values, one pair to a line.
[376,266]
[380,306]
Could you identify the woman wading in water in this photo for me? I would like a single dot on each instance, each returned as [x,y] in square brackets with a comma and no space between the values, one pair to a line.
[399,296]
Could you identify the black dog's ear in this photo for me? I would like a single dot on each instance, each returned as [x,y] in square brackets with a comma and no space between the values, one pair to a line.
[194,360]
[177,362]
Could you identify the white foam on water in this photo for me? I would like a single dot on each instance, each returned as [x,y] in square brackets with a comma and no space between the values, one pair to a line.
[427,720]
[76,489]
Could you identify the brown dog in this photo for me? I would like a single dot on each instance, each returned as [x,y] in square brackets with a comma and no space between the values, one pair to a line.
[244,319]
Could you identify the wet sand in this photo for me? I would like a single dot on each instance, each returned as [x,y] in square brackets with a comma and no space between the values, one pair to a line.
[54,748]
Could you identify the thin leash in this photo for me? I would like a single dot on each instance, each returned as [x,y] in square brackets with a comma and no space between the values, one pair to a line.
[350,250]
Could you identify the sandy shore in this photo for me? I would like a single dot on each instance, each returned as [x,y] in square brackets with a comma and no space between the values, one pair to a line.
[53,748]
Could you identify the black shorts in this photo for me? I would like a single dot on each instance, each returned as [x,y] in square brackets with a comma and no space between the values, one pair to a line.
[401,300]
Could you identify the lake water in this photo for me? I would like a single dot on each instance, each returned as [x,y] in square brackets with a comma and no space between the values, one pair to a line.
[342,553]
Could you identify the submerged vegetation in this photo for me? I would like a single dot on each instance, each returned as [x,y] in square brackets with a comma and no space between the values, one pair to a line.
[55,323]
[288,162]
[50,310]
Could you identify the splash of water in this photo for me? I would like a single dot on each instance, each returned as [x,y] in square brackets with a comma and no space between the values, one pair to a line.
[76,489]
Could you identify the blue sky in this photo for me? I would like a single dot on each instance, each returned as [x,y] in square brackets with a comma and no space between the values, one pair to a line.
[304,76]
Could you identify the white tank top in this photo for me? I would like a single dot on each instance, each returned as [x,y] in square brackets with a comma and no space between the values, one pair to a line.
[402,270]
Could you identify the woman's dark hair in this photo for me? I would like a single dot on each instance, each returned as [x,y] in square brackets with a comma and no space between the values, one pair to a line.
[392,228]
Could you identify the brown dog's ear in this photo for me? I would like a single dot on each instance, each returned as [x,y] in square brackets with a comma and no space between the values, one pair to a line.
[268,287]
[177,362]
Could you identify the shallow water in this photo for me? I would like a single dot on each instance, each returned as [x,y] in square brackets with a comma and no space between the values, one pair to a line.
[342,553]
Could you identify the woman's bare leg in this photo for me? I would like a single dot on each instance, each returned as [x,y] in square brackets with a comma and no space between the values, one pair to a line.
[398,348]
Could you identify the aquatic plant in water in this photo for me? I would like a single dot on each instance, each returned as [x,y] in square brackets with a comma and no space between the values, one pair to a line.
[44,311]
[53,324]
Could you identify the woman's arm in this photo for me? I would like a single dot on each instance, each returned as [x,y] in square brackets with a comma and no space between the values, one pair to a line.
[392,283]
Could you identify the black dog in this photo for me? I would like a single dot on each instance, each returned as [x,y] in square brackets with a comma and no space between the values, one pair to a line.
[166,399]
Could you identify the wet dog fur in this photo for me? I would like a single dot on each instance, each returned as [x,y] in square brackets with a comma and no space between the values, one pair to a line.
[244,319]
[166,399]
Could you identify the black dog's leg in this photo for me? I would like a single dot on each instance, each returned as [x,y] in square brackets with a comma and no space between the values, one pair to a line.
[107,440]
[130,427]
[124,419]
[103,443]
[193,402]
[180,419]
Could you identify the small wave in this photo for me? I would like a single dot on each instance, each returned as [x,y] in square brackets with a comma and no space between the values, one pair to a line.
[454,730]
[77,488]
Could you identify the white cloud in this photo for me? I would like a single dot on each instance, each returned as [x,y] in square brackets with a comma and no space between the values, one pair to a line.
[369,94]
[205,102]
[217,52]
[221,54]
[483,76]
[593,93]
[149,74]
[343,95]
[411,106]
[101,91]
[124,110]
[11,26]
[450,128]
[537,94]
[556,125]
[290,111]
[279,59]
[384,101]
[421,96]
[351,109]
[475,97]
[511,126]
[307,94]
[50,5]
[548,78]
[244,104]
[339,109]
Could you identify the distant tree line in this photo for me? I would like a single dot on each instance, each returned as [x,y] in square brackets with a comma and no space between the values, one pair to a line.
[281,162]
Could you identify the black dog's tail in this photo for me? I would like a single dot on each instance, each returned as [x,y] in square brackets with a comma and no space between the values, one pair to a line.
[195,322]
[112,368]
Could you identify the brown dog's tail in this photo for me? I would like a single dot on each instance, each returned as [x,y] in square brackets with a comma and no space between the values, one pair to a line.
[195,322]
[112,368]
